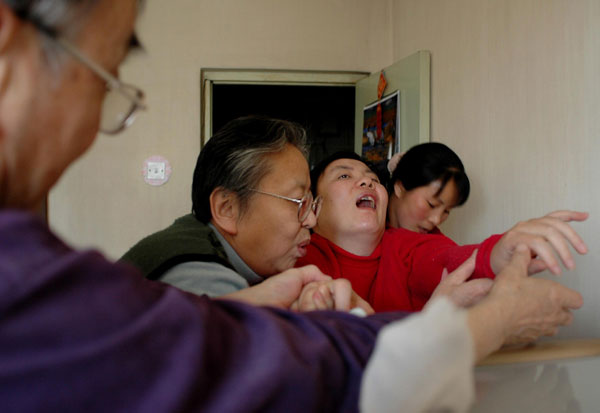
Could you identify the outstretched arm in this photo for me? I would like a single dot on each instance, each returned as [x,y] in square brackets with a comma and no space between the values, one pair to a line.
[440,345]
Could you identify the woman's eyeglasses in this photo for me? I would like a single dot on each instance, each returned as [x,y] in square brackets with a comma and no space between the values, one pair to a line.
[305,205]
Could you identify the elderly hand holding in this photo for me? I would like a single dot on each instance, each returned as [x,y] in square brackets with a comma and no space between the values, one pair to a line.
[519,308]
[302,289]
[330,295]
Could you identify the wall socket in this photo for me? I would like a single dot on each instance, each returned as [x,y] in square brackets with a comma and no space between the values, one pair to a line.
[156,170]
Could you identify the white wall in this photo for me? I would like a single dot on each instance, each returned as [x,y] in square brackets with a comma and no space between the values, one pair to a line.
[102,201]
[516,92]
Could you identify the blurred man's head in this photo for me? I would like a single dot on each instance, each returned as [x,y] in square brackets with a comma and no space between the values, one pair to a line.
[51,98]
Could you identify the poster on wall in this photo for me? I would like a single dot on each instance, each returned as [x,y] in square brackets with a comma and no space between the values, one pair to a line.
[378,147]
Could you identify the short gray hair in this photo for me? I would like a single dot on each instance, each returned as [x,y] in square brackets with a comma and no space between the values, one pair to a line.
[236,159]
[58,16]
[53,17]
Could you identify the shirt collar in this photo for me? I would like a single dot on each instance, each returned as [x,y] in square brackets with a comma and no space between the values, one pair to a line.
[236,261]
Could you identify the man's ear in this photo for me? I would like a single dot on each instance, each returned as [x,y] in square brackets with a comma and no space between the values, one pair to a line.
[398,189]
[224,208]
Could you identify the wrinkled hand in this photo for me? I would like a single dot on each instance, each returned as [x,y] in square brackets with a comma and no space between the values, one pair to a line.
[280,290]
[329,295]
[461,292]
[544,236]
[535,307]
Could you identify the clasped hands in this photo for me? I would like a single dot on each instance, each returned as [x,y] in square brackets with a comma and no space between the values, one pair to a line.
[303,289]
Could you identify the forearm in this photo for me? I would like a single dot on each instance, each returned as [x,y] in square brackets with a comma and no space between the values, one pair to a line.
[487,324]
[430,259]
[250,295]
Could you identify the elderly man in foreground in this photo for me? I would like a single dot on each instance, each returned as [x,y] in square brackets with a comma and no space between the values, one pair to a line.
[79,333]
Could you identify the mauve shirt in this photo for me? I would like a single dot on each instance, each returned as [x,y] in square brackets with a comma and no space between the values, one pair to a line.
[80,333]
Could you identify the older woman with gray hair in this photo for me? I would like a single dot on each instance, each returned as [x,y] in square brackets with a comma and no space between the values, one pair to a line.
[79,333]
[252,212]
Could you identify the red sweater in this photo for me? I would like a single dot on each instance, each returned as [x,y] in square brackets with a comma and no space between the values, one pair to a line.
[404,269]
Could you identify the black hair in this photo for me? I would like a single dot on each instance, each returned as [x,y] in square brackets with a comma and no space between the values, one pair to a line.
[235,158]
[320,167]
[428,162]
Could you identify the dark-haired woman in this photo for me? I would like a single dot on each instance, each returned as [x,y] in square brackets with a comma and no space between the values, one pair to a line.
[427,183]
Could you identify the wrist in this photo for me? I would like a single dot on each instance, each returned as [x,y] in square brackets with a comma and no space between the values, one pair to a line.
[489,325]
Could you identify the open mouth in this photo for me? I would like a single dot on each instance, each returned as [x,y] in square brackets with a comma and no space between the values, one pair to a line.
[366,201]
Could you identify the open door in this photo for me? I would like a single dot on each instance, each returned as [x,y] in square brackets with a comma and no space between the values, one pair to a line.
[411,78]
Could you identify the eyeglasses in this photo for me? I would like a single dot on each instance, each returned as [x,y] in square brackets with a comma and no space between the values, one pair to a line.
[305,205]
[121,101]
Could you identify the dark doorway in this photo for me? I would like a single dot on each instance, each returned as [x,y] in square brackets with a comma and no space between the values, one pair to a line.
[326,112]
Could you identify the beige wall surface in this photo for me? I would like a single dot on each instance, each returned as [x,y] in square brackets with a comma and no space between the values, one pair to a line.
[103,201]
[516,92]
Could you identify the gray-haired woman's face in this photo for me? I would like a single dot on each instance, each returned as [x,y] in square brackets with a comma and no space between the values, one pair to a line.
[269,236]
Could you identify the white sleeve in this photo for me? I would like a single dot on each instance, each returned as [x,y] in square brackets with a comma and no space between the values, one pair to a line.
[422,363]
[208,278]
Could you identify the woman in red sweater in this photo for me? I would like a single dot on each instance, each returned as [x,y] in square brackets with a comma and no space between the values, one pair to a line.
[398,269]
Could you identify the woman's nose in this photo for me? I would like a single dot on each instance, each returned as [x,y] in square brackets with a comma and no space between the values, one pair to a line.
[436,218]
[310,221]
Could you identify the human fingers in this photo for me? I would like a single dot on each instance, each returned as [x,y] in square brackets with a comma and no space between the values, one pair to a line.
[537,266]
[519,262]
[313,297]
[547,236]
[479,289]
[306,300]
[544,313]
[357,301]
[555,226]
[325,295]
[309,273]
[342,294]
[568,215]
[560,228]
[464,271]
[568,298]
[543,251]
[471,292]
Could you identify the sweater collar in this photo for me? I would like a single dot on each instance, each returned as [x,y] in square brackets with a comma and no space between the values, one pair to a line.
[236,261]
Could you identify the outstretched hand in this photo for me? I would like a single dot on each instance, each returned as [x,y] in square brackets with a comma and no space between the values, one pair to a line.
[519,308]
[538,306]
[461,292]
[545,237]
